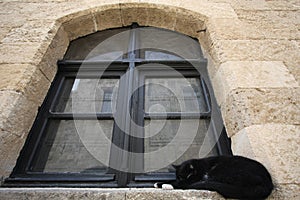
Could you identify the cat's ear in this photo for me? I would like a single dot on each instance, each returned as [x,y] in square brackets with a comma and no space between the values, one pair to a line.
[176,166]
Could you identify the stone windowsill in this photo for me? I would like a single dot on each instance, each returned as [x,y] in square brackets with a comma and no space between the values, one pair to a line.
[103,194]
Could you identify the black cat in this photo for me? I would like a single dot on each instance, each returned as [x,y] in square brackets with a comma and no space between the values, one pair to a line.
[231,176]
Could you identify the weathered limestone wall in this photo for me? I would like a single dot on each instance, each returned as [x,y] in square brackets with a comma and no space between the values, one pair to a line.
[252,48]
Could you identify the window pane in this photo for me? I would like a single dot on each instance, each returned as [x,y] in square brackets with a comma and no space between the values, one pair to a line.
[161,134]
[174,95]
[157,55]
[103,45]
[88,96]
[71,146]
[168,45]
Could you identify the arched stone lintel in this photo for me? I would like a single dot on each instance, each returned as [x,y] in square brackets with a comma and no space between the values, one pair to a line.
[117,15]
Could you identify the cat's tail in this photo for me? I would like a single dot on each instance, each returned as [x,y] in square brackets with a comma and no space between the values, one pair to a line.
[236,192]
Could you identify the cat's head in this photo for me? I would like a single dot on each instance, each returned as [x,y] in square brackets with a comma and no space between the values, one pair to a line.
[187,171]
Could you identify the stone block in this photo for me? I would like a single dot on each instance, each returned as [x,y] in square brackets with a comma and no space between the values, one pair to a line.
[10,147]
[250,74]
[103,3]
[254,50]
[232,29]
[286,192]
[23,11]
[32,32]
[41,36]
[274,145]
[161,16]
[283,5]
[212,68]
[175,3]
[94,193]
[134,12]
[108,17]
[273,24]
[146,14]
[25,79]
[62,194]
[246,5]
[54,52]
[12,74]
[17,114]
[258,50]
[3,31]
[20,53]
[129,1]
[49,10]
[249,106]
[293,66]
[10,18]
[210,10]
[80,26]
[135,194]
[189,22]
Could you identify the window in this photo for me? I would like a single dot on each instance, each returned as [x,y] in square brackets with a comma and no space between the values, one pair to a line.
[125,104]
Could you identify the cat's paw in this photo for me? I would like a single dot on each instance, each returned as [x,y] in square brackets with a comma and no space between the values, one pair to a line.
[167,187]
[158,185]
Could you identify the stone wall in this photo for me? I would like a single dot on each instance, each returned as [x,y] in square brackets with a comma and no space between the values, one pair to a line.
[252,47]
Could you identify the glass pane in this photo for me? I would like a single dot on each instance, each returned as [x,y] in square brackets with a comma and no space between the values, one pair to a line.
[88,96]
[103,45]
[189,139]
[75,146]
[157,55]
[160,44]
[174,95]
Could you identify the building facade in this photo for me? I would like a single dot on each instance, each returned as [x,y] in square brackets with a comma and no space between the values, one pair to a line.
[252,50]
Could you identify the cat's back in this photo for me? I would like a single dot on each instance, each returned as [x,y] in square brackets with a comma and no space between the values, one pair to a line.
[236,166]
[245,164]
[235,162]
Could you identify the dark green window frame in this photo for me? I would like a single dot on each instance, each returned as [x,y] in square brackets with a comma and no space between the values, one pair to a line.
[133,64]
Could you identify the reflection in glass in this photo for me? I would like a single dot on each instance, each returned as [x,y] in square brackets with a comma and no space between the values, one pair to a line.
[103,45]
[190,138]
[174,95]
[70,148]
[167,45]
[88,96]
[157,55]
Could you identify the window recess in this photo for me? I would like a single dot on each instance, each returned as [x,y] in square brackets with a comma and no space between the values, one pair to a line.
[108,105]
